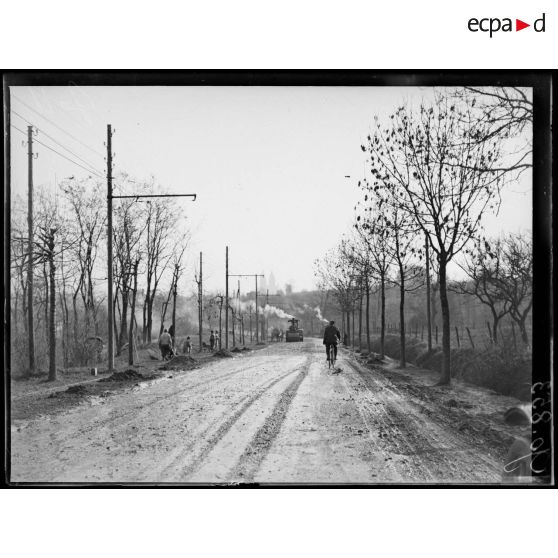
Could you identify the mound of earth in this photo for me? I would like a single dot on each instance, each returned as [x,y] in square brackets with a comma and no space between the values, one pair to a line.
[124,376]
[246,349]
[222,353]
[180,362]
[373,358]
[77,390]
[153,355]
[236,350]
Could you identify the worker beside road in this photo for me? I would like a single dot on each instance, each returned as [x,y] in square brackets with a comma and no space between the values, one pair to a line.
[331,337]
[165,343]
[187,347]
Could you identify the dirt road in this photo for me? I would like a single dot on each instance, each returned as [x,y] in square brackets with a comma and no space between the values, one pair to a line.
[277,415]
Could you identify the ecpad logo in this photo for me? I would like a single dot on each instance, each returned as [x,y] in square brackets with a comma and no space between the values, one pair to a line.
[494,24]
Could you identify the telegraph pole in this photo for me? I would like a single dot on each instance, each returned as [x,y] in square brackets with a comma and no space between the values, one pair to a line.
[226,297]
[255,275]
[174,294]
[257,332]
[111,197]
[266,319]
[30,326]
[109,251]
[240,314]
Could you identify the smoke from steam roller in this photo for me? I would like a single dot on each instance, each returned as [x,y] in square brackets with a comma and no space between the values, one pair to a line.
[270,311]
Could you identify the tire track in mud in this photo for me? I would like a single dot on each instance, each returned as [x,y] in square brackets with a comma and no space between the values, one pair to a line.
[125,417]
[245,403]
[426,449]
[399,441]
[461,443]
[424,405]
[118,420]
[419,436]
[363,412]
[256,451]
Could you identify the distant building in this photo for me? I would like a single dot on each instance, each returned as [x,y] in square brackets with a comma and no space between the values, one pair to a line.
[272,286]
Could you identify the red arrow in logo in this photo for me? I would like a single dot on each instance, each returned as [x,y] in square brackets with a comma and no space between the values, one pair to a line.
[519,25]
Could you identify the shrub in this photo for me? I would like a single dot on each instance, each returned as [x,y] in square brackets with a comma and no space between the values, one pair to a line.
[498,368]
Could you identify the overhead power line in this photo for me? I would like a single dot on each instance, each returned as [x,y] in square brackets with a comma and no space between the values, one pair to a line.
[61,154]
[57,126]
[58,143]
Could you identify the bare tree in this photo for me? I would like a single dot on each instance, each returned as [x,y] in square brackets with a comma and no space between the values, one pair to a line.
[399,232]
[442,174]
[370,226]
[177,270]
[87,219]
[485,273]
[51,239]
[507,113]
[361,258]
[337,271]
[516,282]
[127,232]
[46,243]
[133,313]
[161,219]
[18,268]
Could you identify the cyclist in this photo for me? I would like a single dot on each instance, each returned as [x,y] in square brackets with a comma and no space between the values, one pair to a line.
[331,337]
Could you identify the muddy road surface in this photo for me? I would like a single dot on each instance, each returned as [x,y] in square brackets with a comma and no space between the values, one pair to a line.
[277,415]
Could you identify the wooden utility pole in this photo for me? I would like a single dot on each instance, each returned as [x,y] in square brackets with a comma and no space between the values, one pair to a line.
[255,275]
[30,326]
[110,197]
[240,315]
[266,318]
[52,309]
[250,323]
[257,332]
[174,293]
[110,300]
[226,297]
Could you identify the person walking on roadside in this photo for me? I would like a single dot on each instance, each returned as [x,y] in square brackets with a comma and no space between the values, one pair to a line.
[212,341]
[187,347]
[331,337]
[165,344]
[217,346]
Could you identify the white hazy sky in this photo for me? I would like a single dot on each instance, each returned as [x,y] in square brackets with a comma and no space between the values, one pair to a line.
[268,163]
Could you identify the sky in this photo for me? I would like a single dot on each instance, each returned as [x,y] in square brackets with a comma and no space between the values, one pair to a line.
[269,164]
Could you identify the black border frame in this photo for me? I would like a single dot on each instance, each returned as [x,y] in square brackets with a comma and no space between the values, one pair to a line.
[543,233]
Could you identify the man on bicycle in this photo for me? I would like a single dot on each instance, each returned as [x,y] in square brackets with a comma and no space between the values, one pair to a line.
[331,337]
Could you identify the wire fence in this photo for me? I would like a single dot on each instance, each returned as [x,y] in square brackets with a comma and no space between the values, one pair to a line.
[475,336]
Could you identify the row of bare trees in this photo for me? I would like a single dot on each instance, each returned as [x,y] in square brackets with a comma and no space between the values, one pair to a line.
[433,173]
[149,243]
[500,276]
